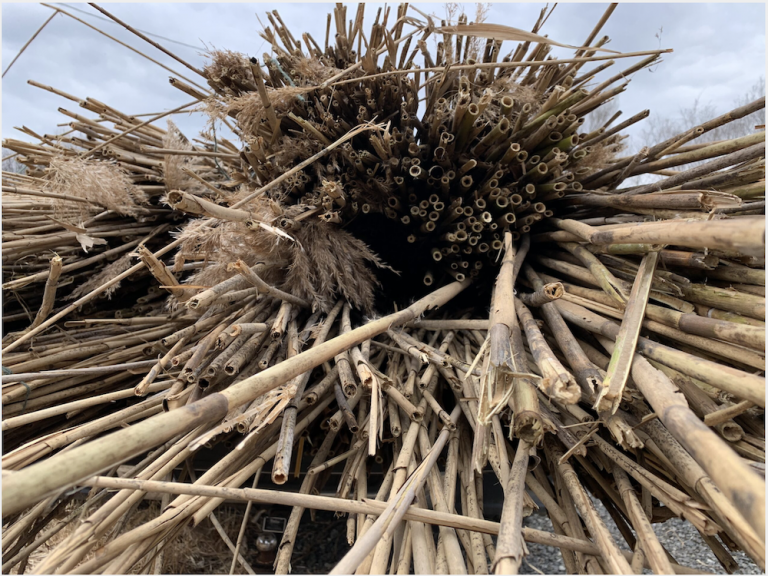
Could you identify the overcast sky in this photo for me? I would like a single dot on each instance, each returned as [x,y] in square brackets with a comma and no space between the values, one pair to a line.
[719,51]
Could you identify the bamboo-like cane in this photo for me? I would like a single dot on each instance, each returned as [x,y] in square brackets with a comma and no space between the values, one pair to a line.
[609,396]
[656,555]
[602,275]
[395,510]
[123,444]
[287,429]
[742,384]
[691,432]
[547,293]
[28,42]
[454,559]
[498,378]
[473,542]
[587,375]
[162,274]
[143,37]
[557,382]
[694,476]
[285,442]
[49,295]
[745,235]
[610,552]
[510,548]
[705,327]
[258,76]
[95,292]
[10,423]
[190,204]
[725,414]
[250,275]
[754,151]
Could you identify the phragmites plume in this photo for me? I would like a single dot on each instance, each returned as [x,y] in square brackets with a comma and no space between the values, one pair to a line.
[177,167]
[103,184]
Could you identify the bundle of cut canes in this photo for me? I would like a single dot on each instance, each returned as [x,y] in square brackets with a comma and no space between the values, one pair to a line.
[613,348]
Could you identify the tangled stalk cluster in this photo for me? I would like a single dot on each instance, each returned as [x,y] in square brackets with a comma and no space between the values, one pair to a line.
[494,141]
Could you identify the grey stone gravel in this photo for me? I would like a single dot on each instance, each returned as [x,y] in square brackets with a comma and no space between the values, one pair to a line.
[678,537]
[685,544]
[541,559]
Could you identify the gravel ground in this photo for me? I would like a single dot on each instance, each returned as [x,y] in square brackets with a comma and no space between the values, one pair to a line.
[678,537]
[322,543]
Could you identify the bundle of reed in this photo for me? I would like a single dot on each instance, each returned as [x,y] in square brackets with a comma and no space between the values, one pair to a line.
[497,139]
[44,255]
[93,191]
[622,357]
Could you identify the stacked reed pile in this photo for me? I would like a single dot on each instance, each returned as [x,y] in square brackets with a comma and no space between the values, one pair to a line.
[94,190]
[622,356]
